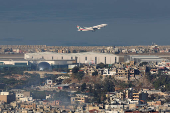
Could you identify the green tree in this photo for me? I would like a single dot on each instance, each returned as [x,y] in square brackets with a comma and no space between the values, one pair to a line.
[100,65]
[90,88]
[38,94]
[167,87]
[143,63]
[53,78]
[75,70]
[78,75]
[83,87]
[108,85]
[95,73]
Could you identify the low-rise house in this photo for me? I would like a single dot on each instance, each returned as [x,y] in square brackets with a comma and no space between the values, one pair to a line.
[142,70]
[154,70]
[89,69]
[111,96]
[114,106]
[92,107]
[107,72]
[28,105]
[79,98]
[122,71]
[52,103]
[154,103]
[122,74]
[120,95]
[22,94]
[24,99]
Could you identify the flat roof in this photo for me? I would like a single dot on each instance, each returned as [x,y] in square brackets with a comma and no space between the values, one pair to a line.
[12,59]
[76,54]
[144,56]
[62,85]
[19,55]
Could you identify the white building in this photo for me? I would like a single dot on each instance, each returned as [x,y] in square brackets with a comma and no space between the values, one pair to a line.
[19,95]
[142,58]
[4,93]
[17,62]
[84,57]
[24,99]
[109,72]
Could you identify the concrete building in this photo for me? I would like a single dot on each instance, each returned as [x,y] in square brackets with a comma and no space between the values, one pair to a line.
[56,60]
[7,97]
[24,99]
[122,74]
[107,72]
[14,62]
[84,57]
[79,98]
[28,105]
[142,58]
[128,93]
[141,96]
[20,95]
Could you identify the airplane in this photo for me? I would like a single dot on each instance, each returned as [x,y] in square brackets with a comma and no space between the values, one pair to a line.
[93,28]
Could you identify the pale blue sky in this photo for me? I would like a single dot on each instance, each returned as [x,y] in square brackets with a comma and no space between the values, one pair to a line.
[53,22]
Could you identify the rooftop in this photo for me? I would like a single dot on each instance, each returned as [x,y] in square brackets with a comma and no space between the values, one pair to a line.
[76,54]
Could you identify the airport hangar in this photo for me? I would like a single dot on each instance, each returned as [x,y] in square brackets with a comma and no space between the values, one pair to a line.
[143,58]
[58,60]
[85,57]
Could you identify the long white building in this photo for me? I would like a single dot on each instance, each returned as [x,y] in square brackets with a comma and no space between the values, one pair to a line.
[84,57]
[142,58]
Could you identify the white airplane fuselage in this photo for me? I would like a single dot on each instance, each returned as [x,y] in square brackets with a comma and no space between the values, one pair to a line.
[93,28]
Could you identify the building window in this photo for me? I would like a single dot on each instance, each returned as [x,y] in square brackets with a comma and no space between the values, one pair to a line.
[42,57]
[115,59]
[95,60]
[85,58]
[76,59]
[71,58]
[62,57]
[105,60]
[52,57]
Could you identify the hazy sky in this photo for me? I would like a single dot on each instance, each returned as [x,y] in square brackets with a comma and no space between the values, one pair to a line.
[53,22]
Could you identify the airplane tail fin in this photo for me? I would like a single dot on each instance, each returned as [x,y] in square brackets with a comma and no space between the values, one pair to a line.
[78,27]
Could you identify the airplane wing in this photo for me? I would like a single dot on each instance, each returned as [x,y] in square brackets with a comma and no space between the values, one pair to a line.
[96,27]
